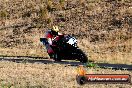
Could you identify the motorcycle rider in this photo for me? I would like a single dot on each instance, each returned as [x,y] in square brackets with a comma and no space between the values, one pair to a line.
[55,51]
[50,35]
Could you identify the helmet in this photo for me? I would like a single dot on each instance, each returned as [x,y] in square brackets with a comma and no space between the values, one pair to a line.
[55,28]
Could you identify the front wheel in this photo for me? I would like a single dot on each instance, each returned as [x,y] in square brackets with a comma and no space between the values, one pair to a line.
[81,56]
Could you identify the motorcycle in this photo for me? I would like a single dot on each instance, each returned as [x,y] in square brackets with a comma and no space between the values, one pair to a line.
[65,47]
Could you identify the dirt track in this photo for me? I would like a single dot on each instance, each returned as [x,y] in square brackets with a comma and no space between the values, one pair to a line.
[21,59]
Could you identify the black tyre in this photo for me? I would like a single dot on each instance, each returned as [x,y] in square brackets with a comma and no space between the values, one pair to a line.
[81,80]
[82,57]
[57,57]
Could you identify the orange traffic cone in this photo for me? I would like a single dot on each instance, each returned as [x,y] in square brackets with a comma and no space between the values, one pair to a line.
[81,71]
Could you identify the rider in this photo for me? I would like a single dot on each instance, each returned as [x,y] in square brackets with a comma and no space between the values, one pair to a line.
[50,35]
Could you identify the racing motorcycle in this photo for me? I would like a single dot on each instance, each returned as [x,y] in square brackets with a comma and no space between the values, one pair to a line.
[65,47]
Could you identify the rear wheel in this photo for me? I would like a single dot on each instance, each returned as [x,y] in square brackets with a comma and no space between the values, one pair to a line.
[57,57]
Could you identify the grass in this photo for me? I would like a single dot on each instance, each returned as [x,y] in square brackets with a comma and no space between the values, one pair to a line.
[3,14]
[91,22]
[22,52]
[108,52]
[18,75]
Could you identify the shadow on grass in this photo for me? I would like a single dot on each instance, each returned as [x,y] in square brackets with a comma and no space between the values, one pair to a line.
[42,60]
[29,59]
